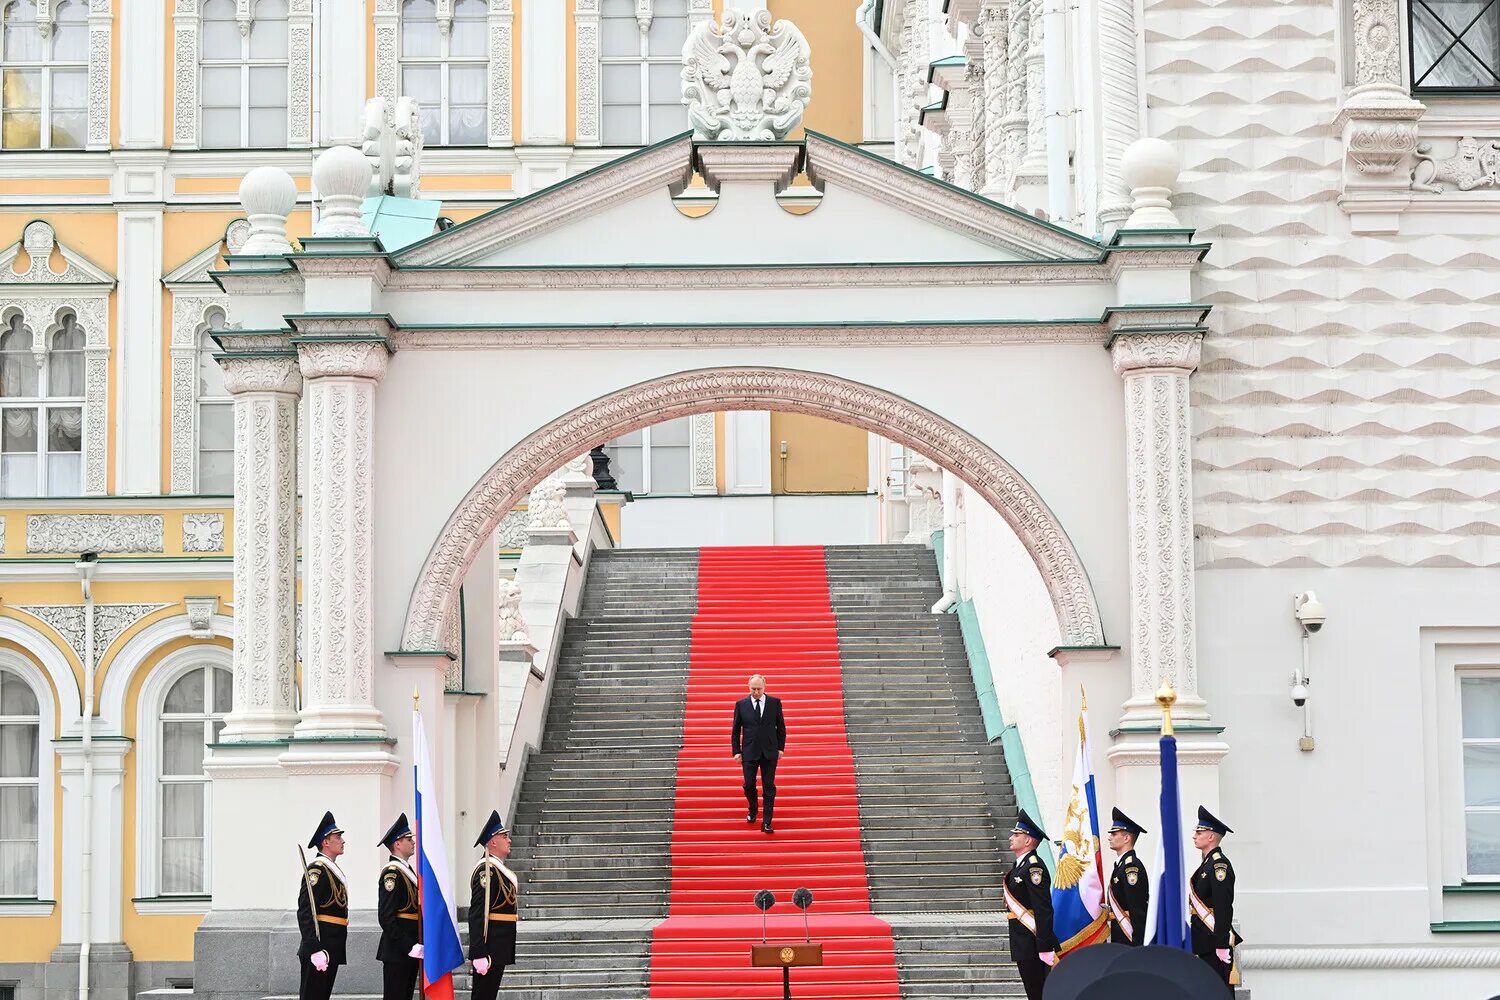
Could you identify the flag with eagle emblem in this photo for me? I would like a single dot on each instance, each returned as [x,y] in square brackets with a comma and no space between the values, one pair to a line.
[1078,913]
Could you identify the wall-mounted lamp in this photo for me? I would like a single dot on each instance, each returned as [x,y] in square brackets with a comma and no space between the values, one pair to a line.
[1312,616]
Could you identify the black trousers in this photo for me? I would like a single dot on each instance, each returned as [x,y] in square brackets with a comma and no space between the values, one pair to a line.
[1033,976]
[488,987]
[767,768]
[1221,969]
[401,977]
[316,985]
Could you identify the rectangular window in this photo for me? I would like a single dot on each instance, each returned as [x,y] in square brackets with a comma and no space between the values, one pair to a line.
[654,460]
[216,446]
[1479,705]
[641,71]
[1455,45]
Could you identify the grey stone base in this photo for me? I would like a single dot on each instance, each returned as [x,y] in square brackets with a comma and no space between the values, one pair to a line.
[250,954]
[110,967]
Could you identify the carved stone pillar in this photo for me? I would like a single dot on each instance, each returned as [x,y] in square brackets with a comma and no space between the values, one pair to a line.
[916,41]
[995,31]
[1120,99]
[1014,122]
[978,116]
[1378,122]
[338,582]
[265,391]
[1155,367]
[1033,166]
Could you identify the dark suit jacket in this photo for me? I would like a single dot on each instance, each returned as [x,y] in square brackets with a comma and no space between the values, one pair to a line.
[1213,885]
[758,736]
[325,923]
[1031,885]
[398,912]
[1130,891]
[499,943]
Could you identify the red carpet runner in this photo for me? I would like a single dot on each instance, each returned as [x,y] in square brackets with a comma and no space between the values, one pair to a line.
[766,610]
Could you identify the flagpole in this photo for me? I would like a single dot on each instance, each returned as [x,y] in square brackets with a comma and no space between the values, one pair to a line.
[416,712]
[1166,697]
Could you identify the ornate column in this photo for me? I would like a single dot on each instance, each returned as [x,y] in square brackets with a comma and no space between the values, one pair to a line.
[979,123]
[265,390]
[1032,169]
[1120,98]
[1014,122]
[913,90]
[1378,123]
[337,588]
[994,22]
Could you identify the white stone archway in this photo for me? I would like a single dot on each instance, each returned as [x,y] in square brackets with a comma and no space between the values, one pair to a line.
[743,388]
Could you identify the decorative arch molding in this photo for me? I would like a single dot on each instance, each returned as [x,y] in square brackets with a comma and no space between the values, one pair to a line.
[159,680]
[133,657]
[43,685]
[64,694]
[703,391]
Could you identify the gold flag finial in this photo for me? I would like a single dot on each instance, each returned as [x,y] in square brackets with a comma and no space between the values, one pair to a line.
[416,699]
[1166,697]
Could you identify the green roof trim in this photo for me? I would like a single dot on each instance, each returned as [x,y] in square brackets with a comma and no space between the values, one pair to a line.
[1466,927]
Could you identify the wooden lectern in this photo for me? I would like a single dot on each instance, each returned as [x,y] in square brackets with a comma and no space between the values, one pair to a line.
[785,956]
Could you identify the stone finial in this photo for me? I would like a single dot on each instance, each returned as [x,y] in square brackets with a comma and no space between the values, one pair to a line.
[341,176]
[1150,168]
[545,507]
[744,79]
[268,196]
[510,626]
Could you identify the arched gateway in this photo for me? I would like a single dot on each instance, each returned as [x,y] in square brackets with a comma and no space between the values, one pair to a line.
[445,378]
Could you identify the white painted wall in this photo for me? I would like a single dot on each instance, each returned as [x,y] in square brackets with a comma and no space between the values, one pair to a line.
[649,522]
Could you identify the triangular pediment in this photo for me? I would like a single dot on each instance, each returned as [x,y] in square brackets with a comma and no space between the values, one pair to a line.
[852,207]
[34,250]
[197,268]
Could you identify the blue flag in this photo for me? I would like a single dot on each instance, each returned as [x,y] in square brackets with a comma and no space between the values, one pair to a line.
[1166,919]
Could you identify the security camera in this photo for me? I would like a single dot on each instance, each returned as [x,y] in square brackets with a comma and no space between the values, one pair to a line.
[1299,692]
[1310,612]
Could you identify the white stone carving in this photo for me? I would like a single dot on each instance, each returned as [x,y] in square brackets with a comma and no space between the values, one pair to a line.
[2,536]
[1120,107]
[299,74]
[687,393]
[342,177]
[1473,164]
[745,79]
[995,28]
[67,620]
[703,454]
[501,28]
[911,80]
[1379,957]
[200,616]
[511,534]
[268,195]
[203,532]
[189,318]
[39,241]
[265,563]
[510,626]
[1016,104]
[393,146]
[339,664]
[1159,519]
[587,97]
[101,23]
[1149,168]
[93,533]
[545,509]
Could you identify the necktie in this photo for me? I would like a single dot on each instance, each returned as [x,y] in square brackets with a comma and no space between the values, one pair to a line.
[757,707]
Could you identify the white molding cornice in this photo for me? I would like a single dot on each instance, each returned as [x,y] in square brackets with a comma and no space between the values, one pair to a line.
[1383,957]
[851,335]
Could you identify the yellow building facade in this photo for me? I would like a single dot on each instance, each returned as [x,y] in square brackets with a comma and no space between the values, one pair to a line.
[124,132]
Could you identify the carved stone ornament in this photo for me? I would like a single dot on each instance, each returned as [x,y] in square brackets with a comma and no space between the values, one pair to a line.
[393,145]
[109,621]
[509,625]
[512,531]
[261,375]
[545,510]
[1148,352]
[200,616]
[1474,164]
[347,359]
[203,533]
[93,533]
[743,79]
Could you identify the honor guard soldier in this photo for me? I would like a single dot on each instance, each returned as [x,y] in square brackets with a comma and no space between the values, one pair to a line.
[400,947]
[494,895]
[1129,888]
[322,913]
[1028,897]
[1211,898]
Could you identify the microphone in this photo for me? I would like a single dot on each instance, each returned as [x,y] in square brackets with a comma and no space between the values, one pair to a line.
[802,899]
[764,900]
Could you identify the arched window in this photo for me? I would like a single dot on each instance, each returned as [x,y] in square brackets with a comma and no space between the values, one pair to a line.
[446,73]
[20,785]
[215,414]
[641,71]
[41,412]
[44,100]
[192,714]
[243,76]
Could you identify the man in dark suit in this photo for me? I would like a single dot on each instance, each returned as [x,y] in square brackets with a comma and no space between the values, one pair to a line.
[1129,887]
[400,949]
[1028,900]
[1211,898]
[494,896]
[322,913]
[758,739]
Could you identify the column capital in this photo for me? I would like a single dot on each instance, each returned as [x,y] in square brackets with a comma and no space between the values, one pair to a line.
[262,373]
[1148,353]
[363,358]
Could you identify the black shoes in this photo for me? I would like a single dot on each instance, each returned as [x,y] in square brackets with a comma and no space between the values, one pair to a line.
[766,828]
[750,817]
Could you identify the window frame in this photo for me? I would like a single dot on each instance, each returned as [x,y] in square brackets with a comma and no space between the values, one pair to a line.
[444,62]
[33,676]
[612,449]
[44,403]
[245,63]
[1460,674]
[47,66]
[225,401]
[645,60]
[1416,88]
[149,761]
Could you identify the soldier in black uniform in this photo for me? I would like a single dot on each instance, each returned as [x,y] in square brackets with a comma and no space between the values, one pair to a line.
[1211,898]
[400,946]
[323,918]
[1028,897]
[1129,888]
[494,897]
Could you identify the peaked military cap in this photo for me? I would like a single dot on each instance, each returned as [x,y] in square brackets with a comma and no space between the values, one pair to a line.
[325,827]
[491,827]
[1208,821]
[1125,824]
[400,828]
[1025,824]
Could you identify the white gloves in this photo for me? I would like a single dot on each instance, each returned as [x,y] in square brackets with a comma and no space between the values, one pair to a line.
[416,951]
[481,966]
[1223,954]
[1048,957]
[320,961]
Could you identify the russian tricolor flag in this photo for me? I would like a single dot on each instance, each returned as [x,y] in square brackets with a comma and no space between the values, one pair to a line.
[442,952]
[1166,913]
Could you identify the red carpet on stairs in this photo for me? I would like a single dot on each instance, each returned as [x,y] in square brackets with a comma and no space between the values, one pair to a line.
[766,610]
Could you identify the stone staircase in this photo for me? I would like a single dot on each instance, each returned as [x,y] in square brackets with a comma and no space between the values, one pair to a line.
[935,796]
